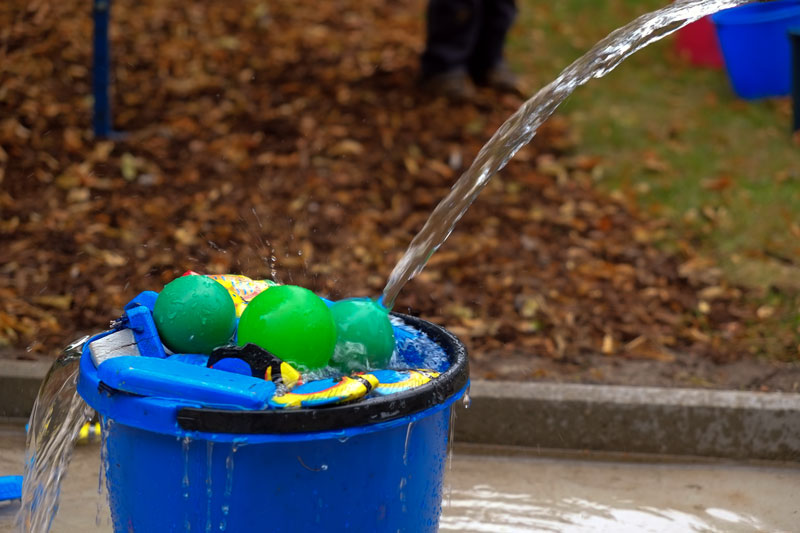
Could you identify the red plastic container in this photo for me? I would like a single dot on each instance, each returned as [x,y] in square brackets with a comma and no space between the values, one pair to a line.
[698,43]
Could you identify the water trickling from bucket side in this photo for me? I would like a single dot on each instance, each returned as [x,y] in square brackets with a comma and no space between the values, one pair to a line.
[209,482]
[521,127]
[450,437]
[185,443]
[102,493]
[56,418]
[226,497]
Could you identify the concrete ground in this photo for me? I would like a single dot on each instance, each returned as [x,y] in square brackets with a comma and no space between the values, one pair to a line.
[503,490]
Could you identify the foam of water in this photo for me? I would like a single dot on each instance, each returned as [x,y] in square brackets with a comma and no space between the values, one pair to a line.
[56,418]
[520,128]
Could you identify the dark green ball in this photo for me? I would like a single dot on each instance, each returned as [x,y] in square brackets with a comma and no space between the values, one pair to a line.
[194,314]
[364,335]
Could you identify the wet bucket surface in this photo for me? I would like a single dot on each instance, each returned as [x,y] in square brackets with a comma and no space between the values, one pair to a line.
[374,465]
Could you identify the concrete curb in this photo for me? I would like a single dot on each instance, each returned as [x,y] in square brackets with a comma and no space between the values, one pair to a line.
[641,420]
[599,418]
[19,385]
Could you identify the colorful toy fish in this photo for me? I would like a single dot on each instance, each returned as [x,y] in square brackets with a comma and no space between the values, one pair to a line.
[323,392]
[394,381]
[241,288]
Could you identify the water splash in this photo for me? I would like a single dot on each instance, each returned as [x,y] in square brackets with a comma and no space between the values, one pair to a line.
[56,418]
[521,127]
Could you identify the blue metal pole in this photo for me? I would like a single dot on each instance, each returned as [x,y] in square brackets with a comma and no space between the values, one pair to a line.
[100,69]
[794,39]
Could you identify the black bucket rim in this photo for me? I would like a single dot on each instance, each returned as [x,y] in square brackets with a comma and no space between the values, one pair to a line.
[361,413]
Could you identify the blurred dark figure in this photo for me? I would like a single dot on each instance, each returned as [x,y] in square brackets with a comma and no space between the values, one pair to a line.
[465,42]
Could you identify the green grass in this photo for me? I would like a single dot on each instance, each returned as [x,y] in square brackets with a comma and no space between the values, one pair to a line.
[724,171]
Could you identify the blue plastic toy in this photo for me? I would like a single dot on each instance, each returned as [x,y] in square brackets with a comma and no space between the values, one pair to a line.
[10,488]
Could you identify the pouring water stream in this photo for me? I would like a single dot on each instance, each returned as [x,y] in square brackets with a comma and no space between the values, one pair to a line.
[59,411]
[521,127]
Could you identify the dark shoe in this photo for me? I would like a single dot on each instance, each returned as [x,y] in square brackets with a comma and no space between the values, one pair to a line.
[501,79]
[454,85]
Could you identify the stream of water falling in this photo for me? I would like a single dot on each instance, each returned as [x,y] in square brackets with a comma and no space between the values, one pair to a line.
[57,416]
[521,127]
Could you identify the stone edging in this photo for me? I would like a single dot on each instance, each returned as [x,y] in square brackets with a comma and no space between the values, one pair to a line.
[599,418]
[641,420]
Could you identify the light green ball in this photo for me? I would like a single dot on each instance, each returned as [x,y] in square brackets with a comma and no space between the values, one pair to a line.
[291,322]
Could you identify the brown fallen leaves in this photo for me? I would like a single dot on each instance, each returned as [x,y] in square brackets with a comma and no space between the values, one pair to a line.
[290,140]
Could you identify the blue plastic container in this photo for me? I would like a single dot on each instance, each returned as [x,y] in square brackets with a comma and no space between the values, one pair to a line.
[755,44]
[184,465]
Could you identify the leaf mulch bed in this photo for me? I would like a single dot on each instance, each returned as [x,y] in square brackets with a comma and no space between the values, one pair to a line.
[290,140]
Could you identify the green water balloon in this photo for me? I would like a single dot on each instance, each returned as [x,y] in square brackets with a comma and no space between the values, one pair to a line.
[364,335]
[291,322]
[194,314]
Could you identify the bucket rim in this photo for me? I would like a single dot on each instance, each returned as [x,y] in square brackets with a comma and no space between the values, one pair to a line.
[757,13]
[362,413]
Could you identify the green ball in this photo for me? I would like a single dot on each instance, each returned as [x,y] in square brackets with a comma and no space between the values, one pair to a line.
[291,322]
[364,335]
[194,314]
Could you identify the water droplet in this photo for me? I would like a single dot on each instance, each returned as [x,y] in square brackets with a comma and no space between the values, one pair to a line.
[408,439]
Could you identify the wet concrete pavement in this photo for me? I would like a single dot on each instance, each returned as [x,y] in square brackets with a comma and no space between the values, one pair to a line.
[501,494]
[523,493]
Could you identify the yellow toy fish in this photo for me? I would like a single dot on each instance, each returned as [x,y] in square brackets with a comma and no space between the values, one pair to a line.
[241,288]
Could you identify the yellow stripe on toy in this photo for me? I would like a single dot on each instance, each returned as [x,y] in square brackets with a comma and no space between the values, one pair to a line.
[89,432]
[328,391]
[394,381]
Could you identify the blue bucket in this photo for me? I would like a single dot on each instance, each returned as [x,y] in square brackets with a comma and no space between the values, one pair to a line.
[374,465]
[755,44]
